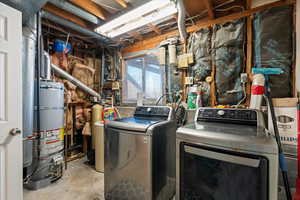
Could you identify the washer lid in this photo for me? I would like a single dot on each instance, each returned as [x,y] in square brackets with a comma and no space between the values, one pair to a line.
[133,123]
[232,136]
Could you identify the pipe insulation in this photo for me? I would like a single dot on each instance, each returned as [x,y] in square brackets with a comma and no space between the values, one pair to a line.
[181,20]
[91,34]
[65,5]
[75,81]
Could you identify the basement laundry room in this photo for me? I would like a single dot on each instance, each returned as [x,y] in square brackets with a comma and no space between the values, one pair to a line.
[149,99]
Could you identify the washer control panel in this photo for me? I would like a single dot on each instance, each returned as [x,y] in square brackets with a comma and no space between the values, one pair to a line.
[152,111]
[246,116]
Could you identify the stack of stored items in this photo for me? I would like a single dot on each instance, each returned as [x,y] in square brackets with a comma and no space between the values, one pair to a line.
[78,102]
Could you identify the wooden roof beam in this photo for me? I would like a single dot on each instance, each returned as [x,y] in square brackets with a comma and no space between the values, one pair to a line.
[152,42]
[135,35]
[123,3]
[154,28]
[91,7]
[66,15]
[210,8]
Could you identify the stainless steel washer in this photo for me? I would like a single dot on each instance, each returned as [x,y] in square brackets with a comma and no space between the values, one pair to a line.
[140,155]
[226,154]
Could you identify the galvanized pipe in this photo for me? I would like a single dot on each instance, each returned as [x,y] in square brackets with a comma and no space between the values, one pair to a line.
[28,68]
[76,11]
[75,81]
[91,34]
[181,20]
[28,7]
[47,66]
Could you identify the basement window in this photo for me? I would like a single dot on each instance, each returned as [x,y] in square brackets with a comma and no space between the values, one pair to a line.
[143,75]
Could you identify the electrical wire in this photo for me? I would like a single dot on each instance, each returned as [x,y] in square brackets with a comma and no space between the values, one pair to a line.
[230,8]
[245,95]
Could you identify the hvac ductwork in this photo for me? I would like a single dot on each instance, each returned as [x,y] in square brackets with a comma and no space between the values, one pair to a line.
[28,68]
[78,28]
[181,20]
[75,81]
[28,7]
[76,11]
[46,68]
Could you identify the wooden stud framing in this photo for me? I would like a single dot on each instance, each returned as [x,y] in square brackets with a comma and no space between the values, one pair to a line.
[213,98]
[151,43]
[91,7]
[249,54]
[123,3]
[210,8]
[294,75]
[154,28]
[136,35]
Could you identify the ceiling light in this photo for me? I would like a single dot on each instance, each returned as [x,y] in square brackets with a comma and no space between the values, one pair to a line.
[148,13]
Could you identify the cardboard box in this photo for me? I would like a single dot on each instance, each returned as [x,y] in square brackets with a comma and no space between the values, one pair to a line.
[286,116]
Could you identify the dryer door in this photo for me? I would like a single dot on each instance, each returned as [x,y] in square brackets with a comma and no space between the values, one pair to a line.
[215,174]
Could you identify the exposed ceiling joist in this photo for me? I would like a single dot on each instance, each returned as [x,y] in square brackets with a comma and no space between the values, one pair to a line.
[66,15]
[249,4]
[136,35]
[210,8]
[91,7]
[152,42]
[123,3]
[154,28]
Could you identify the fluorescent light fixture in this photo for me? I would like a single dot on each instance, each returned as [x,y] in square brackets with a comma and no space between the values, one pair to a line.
[148,13]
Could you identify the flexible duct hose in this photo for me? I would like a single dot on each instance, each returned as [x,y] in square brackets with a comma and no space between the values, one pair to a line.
[181,20]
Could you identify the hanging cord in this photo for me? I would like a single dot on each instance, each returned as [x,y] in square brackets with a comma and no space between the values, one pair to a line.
[244,94]
[282,161]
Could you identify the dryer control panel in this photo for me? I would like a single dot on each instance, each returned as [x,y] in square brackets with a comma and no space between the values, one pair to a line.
[240,116]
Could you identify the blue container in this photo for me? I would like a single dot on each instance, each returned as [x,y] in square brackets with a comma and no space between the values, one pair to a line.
[60,46]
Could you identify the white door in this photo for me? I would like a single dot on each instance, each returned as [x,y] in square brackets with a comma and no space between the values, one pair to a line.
[11,183]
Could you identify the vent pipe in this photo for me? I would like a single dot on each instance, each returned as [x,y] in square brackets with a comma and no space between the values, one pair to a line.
[65,5]
[75,81]
[93,35]
[181,20]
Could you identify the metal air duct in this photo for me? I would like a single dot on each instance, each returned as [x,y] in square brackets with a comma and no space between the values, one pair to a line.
[28,68]
[93,35]
[181,20]
[75,81]
[28,7]
[46,68]
[76,11]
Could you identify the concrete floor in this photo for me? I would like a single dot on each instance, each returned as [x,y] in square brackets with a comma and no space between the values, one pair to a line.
[80,182]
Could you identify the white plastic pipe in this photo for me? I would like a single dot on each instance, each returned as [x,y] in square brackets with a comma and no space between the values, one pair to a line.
[257,91]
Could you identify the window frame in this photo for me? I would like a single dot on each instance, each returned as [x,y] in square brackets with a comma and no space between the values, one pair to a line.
[150,101]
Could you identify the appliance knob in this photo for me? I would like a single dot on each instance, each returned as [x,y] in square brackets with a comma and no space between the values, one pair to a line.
[221,112]
[148,109]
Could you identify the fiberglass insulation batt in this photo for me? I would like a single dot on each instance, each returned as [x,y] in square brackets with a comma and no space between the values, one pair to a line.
[273,46]
[228,56]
